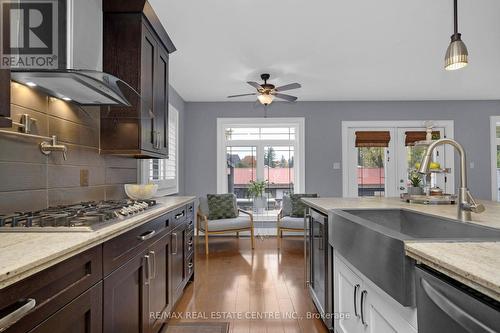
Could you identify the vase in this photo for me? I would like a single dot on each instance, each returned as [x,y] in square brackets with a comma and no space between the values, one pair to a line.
[259,204]
[415,190]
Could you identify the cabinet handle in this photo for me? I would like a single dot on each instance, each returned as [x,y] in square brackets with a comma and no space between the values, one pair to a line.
[356,287]
[178,216]
[306,267]
[153,254]
[146,235]
[175,235]
[9,319]
[190,265]
[363,296]
[148,268]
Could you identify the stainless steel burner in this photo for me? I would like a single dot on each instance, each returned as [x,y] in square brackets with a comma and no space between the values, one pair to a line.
[85,216]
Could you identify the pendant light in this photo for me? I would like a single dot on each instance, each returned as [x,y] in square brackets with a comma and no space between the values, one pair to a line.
[456,54]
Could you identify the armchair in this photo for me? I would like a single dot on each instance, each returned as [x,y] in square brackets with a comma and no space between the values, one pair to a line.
[243,222]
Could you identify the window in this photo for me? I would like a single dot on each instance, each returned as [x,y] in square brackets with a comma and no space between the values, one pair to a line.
[260,149]
[165,172]
[495,158]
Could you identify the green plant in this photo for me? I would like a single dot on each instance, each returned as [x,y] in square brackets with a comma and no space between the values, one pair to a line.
[415,179]
[256,188]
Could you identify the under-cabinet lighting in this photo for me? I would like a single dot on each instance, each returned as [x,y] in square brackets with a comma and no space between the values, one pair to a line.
[31,84]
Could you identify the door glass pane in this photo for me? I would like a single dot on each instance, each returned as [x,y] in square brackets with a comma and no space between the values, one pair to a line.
[498,169]
[279,174]
[241,169]
[371,171]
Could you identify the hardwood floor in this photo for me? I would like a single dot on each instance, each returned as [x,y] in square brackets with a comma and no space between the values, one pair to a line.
[241,285]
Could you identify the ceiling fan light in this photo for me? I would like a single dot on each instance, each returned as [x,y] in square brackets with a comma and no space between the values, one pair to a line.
[457,55]
[265,99]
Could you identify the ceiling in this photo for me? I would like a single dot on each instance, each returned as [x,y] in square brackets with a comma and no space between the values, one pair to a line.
[337,49]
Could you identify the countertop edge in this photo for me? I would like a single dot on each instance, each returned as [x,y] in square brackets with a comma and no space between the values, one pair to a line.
[32,268]
[455,273]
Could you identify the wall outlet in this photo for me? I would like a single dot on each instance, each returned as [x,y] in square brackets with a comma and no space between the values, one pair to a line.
[84,177]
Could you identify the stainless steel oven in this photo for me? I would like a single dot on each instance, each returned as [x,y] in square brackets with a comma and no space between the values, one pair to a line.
[318,254]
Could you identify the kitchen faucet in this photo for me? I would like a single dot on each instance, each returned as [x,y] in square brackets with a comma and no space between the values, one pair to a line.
[48,147]
[466,203]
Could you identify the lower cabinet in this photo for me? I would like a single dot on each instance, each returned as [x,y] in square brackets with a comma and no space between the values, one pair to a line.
[126,296]
[83,314]
[178,261]
[367,308]
[159,286]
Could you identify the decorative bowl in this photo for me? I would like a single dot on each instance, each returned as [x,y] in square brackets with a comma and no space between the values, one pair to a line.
[140,191]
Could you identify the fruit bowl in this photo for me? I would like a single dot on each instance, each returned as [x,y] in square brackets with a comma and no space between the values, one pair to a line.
[140,191]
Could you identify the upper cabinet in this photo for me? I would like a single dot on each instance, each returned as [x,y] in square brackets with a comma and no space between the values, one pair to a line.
[5,98]
[136,49]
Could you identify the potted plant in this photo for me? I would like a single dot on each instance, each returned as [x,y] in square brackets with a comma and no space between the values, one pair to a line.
[416,182]
[256,191]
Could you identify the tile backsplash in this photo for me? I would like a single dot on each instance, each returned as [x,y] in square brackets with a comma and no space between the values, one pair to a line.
[30,180]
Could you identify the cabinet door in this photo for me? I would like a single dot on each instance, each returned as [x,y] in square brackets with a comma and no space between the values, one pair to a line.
[177,257]
[159,303]
[383,314]
[126,296]
[149,136]
[347,294]
[82,315]
[161,100]
[4,97]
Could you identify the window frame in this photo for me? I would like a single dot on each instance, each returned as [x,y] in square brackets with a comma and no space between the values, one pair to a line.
[494,142]
[222,144]
[165,186]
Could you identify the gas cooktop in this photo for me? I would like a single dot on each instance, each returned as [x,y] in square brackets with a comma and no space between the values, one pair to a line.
[84,216]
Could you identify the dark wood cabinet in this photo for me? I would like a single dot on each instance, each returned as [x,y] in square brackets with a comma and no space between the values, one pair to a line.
[136,49]
[126,297]
[159,285]
[82,315]
[128,284]
[5,98]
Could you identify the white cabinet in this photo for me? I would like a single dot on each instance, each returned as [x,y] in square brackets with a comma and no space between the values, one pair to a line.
[365,307]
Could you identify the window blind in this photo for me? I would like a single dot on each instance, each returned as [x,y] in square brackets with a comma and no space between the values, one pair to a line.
[373,138]
[414,136]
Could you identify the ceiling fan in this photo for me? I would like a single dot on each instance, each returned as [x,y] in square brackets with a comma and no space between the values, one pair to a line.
[267,92]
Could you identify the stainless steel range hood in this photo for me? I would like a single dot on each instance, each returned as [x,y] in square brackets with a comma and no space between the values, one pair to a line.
[77,75]
[83,87]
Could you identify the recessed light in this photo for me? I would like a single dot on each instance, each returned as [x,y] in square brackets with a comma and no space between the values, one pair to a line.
[67,99]
[31,84]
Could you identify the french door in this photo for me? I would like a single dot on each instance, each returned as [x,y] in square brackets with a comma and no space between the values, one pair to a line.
[382,167]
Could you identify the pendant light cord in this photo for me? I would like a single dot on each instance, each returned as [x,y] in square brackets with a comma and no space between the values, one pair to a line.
[455,13]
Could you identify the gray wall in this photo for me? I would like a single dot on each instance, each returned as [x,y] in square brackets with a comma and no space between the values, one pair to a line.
[30,180]
[323,136]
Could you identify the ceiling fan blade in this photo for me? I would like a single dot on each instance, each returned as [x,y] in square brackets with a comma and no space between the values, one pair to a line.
[255,85]
[288,98]
[288,87]
[241,95]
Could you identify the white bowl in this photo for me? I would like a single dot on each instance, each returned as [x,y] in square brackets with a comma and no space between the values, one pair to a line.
[140,191]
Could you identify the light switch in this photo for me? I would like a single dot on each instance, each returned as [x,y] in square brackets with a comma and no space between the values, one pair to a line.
[472,165]
[336,165]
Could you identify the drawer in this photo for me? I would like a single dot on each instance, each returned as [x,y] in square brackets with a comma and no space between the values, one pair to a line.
[121,249]
[189,244]
[189,267]
[179,216]
[51,289]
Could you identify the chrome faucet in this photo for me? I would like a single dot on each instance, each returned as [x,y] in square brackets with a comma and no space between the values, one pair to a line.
[466,203]
[47,147]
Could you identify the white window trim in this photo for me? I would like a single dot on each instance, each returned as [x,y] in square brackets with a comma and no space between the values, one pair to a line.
[222,123]
[494,141]
[165,187]
[448,125]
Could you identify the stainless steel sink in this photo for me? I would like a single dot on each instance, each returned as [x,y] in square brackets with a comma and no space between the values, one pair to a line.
[372,240]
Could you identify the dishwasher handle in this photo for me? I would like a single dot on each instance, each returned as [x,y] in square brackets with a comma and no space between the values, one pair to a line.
[455,312]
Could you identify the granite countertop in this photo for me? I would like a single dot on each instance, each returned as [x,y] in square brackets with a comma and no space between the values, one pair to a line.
[25,253]
[476,264]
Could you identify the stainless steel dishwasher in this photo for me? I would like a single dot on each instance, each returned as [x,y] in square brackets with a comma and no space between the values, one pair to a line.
[445,305]
[318,254]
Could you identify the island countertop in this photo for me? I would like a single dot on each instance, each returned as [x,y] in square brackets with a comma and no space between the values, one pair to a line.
[476,264]
[25,253]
